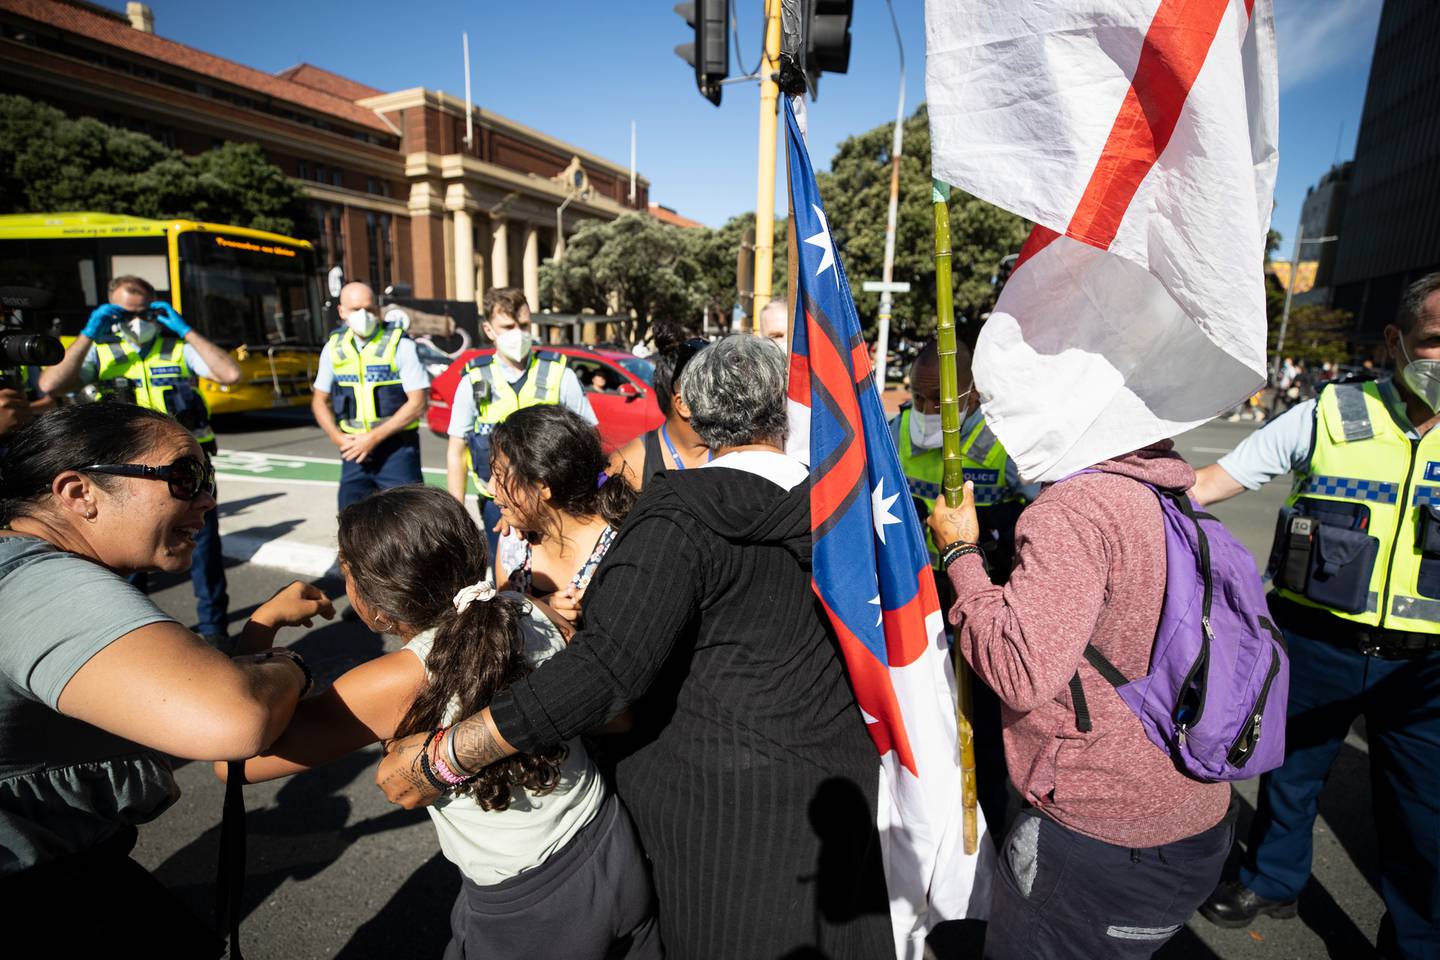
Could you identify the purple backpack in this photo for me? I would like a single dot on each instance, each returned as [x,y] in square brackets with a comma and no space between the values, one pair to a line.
[1215,697]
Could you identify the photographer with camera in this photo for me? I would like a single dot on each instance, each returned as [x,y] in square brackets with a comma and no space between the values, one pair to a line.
[137,349]
[98,685]
[22,353]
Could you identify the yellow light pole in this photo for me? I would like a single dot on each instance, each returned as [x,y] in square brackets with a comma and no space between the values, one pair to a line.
[765,190]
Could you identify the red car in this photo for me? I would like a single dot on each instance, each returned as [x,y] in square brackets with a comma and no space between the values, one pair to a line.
[617,384]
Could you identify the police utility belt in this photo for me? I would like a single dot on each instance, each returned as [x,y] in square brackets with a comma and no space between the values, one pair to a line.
[1324,553]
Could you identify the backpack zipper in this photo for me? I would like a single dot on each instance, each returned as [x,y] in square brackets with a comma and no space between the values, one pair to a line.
[1243,748]
[1198,677]
[1202,662]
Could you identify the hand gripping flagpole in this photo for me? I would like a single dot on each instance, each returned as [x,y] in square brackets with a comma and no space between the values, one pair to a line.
[954,490]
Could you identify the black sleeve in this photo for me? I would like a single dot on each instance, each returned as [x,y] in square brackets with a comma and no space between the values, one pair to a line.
[642,597]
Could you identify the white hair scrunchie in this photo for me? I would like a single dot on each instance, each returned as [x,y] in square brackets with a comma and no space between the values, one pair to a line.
[484,590]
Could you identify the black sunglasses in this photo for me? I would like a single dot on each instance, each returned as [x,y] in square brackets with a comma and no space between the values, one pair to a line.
[187,477]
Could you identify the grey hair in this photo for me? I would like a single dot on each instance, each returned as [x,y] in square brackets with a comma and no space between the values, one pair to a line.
[1412,301]
[736,392]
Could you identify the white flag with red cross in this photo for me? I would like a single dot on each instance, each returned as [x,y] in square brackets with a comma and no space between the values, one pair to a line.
[1140,138]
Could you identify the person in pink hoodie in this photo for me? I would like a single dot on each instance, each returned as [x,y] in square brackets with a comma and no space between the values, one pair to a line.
[1116,847]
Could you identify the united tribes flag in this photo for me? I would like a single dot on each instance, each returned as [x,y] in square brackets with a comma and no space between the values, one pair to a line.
[872,574]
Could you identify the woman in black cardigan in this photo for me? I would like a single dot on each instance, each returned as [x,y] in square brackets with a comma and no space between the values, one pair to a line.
[753,782]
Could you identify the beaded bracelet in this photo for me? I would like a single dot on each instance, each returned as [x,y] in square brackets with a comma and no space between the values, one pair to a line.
[426,769]
[957,550]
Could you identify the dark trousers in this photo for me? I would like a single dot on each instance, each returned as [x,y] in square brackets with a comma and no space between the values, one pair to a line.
[1400,699]
[394,463]
[590,900]
[207,576]
[1059,894]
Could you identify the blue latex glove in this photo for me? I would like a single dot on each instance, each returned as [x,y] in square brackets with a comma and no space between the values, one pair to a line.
[166,314]
[101,319]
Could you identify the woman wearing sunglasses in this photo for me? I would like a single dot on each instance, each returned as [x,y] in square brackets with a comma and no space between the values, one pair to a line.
[674,445]
[97,684]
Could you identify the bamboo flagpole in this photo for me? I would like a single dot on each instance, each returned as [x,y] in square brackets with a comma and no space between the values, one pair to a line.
[953,486]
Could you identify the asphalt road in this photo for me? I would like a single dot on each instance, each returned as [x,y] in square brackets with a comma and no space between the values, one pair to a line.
[335,871]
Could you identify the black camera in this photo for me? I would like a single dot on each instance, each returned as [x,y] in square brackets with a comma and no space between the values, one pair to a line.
[20,347]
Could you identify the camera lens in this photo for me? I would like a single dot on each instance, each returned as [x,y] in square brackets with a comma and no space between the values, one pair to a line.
[34,349]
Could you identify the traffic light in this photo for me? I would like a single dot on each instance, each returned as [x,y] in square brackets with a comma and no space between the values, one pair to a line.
[710,53]
[827,36]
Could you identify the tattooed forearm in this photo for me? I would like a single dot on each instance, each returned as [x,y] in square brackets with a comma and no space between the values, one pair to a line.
[476,744]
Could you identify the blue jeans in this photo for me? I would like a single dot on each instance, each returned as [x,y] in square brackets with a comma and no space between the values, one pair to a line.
[393,463]
[1060,895]
[1330,686]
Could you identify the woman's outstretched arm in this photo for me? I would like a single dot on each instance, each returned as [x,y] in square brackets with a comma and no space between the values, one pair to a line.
[363,707]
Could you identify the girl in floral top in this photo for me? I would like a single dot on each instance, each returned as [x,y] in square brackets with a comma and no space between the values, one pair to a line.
[551,481]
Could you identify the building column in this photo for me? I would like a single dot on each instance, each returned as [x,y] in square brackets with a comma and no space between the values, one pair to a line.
[499,252]
[531,267]
[464,247]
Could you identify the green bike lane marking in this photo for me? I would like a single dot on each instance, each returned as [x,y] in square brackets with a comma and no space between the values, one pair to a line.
[292,468]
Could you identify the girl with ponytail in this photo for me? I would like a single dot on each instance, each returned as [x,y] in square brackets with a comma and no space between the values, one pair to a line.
[554,486]
[549,859]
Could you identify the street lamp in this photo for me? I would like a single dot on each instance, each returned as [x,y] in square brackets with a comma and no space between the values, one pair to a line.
[1289,294]
[579,193]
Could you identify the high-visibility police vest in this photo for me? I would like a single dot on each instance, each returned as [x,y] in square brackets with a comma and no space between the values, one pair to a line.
[496,398]
[1359,535]
[982,458]
[159,379]
[368,387]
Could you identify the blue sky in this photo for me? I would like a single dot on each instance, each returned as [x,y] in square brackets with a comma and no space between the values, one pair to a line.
[581,70]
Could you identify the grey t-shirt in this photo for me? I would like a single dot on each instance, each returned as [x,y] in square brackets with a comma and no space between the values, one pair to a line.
[64,785]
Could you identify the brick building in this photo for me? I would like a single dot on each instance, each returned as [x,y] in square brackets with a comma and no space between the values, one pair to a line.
[396,194]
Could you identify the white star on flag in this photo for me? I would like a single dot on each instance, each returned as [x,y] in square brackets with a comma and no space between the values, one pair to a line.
[879,614]
[822,240]
[880,509]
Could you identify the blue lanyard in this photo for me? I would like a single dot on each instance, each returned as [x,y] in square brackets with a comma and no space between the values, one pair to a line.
[680,464]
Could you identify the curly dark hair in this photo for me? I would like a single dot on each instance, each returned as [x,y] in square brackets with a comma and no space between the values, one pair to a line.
[548,445]
[409,550]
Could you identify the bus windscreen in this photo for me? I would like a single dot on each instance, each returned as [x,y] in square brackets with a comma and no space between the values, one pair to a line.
[248,291]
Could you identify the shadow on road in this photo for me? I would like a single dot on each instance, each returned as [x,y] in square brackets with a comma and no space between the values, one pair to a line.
[300,835]
[228,508]
[415,922]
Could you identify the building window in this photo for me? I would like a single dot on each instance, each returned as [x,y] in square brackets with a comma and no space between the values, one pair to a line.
[381,254]
[302,169]
[329,219]
[377,186]
[335,176]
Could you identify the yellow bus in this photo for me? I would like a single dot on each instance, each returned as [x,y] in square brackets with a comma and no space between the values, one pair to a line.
[253,293]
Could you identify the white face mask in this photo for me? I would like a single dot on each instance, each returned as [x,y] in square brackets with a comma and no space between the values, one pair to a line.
[514,344]
[1423,379]
[363,322]
[138,330]
[925,430]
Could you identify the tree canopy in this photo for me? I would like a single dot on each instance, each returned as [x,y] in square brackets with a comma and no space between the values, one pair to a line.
[856,192]
[50,162]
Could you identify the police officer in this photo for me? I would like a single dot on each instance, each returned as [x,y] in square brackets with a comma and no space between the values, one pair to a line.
[368,395]
[999,494]
[494,386]
[1356,570]
[136,348]
[999,497]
